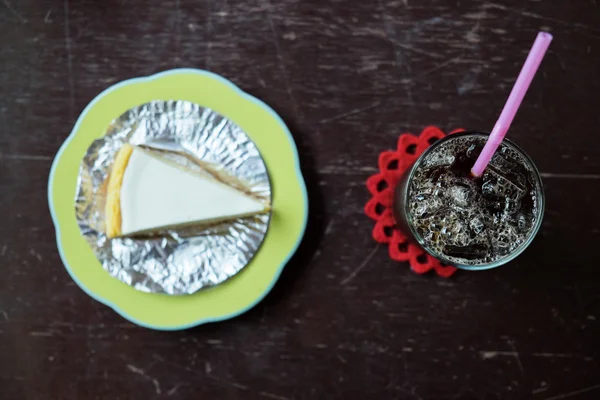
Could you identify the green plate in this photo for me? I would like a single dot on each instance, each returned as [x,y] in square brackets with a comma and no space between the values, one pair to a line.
[290,202]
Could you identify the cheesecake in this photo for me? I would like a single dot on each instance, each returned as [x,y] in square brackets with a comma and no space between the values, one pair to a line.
[147,194]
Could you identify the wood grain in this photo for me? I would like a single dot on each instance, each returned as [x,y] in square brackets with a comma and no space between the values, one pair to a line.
[344,321]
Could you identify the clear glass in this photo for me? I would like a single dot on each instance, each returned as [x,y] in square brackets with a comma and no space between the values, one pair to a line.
[403,217]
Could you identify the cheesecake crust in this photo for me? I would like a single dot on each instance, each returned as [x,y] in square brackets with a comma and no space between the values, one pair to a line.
[112,209]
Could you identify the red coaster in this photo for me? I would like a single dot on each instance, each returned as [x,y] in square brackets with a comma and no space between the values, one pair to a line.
[392,165]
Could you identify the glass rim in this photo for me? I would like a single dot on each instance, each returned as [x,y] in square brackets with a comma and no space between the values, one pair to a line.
[503,260]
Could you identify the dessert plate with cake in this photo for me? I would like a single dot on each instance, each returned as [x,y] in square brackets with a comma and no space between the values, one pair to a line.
[189,199]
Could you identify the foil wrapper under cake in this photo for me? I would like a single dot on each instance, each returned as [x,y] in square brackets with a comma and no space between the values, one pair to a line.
[175,261]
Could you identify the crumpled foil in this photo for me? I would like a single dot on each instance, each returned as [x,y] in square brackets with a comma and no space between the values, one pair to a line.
[182,261]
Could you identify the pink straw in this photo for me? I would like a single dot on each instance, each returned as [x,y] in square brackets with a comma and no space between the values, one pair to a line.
[514,101]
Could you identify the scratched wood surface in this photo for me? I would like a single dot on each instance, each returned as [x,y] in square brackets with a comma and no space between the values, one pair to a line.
[344,321]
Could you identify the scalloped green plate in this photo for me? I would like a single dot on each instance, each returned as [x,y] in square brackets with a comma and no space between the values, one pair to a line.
[290,201]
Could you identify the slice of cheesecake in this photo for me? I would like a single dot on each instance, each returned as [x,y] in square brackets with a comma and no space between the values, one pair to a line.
[147,194]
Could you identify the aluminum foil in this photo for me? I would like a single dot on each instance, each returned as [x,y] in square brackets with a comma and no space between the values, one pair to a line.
[175,261]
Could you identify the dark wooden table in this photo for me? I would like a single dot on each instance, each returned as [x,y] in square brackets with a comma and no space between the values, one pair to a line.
[344,321]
